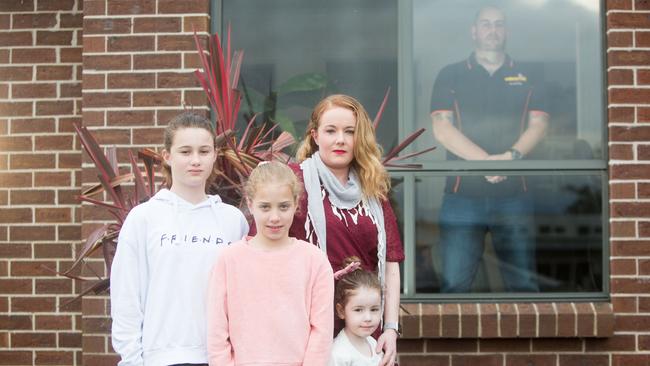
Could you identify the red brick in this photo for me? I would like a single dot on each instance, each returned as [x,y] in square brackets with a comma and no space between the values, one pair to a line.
[584,360]
[107,62]
[642,39]
[179,43]
[628,20]
[33,56]
[52,250]
[192,61]
[450,317]
[156,98]
[68,197]
[644,230]
[70,54]
[623,267]
[557,345]
[157,25]
[100,360]
[132,81]
[14,358]
[33,21]
[620,77]
[469,320]
[177,80]
[5,21]
[451,345]
[4,56]
[16,5]
[629,285]
[643,152]
[623,228]
[69,161]
[33,91]
[54,358]
[16,215]
[53,72]
[94,7]
[621,152]
[69,340]
[566,320]
[16,143]
[410,320]
[53,214]
[57,5]
[15,73]
[131,43]
[619,4]
[4,91]
[630,248]
[32,161]
[431,320]
[630,360]
[55,38]
[631,96]
[530,360]
[11,180]
[32,233]
[71,20]
[643,115]
[184,7]
[630,209]
[33,340]
[156,61]
[473,360]
[621,114]
[32,268]
[106,99]
[97,325]
[16,322]
[196,23]
[586,319]
[644,190]
[56,142]
[504,345]
[131,118]
[52,179]
[629,134]
[33,304]
[94,44]
[69,232]
[643,77]
[547,320]
[15,250]
[131,7]
[619,39]
[53,286]
[16,286]
[70,90]
[106,26]
[16,109]
[628,58]
[625,304]
[16,39]
[508,320]
[195,97]
[93,81]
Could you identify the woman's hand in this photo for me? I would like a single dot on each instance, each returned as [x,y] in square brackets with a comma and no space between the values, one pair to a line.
[388,343]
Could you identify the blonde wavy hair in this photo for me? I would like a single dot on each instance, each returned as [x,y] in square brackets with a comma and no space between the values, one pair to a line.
[374,179]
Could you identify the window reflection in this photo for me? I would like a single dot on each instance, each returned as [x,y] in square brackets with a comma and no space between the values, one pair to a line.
[548,239]
[555,45]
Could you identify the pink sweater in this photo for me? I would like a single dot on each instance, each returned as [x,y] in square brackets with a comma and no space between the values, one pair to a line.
[270,307]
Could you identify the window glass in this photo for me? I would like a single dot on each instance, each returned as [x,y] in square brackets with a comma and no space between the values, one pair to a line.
[493,66]
[298,51]
[546,238]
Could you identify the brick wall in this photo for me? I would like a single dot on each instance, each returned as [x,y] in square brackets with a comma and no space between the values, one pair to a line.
[136,66]
[40,99]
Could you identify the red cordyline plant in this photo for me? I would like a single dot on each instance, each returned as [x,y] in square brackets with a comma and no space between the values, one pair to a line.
[237,156]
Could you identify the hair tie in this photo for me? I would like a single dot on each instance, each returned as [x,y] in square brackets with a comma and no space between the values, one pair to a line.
[349,268]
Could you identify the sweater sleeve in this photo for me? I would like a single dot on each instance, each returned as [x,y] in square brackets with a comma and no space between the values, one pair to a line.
[321,315]
[128,289]
[218,340]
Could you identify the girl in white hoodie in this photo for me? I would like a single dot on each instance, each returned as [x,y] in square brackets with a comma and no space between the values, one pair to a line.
[165,252]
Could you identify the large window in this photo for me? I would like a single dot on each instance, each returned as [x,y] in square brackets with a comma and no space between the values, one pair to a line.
[479,219]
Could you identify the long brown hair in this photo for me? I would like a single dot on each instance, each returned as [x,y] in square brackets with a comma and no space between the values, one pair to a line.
[375,182]
[348,283]
[187,120]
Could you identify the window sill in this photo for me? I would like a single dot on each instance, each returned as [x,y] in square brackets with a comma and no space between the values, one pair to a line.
[508,320]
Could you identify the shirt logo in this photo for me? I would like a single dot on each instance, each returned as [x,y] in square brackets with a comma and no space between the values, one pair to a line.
[518,79]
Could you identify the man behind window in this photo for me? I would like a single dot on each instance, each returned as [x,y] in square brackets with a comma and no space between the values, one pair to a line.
[487,108]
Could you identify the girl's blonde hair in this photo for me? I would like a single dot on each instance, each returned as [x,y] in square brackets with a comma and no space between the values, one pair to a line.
[348,283]
[187,120]
[375,182]
[272,172]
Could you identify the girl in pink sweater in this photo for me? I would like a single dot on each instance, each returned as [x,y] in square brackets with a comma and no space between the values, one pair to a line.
[270,296]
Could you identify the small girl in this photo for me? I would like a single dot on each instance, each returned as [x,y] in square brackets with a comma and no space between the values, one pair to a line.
[358,303]
[270,296]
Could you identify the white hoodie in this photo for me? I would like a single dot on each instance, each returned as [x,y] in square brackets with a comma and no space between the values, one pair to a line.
[159,277]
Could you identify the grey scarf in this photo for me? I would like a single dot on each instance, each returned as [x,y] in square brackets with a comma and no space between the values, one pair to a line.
[314,173]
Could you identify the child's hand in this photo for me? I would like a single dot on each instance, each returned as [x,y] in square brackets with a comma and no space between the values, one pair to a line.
[388,343]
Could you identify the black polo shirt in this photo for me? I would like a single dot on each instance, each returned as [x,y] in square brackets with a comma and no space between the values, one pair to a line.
[491,110]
